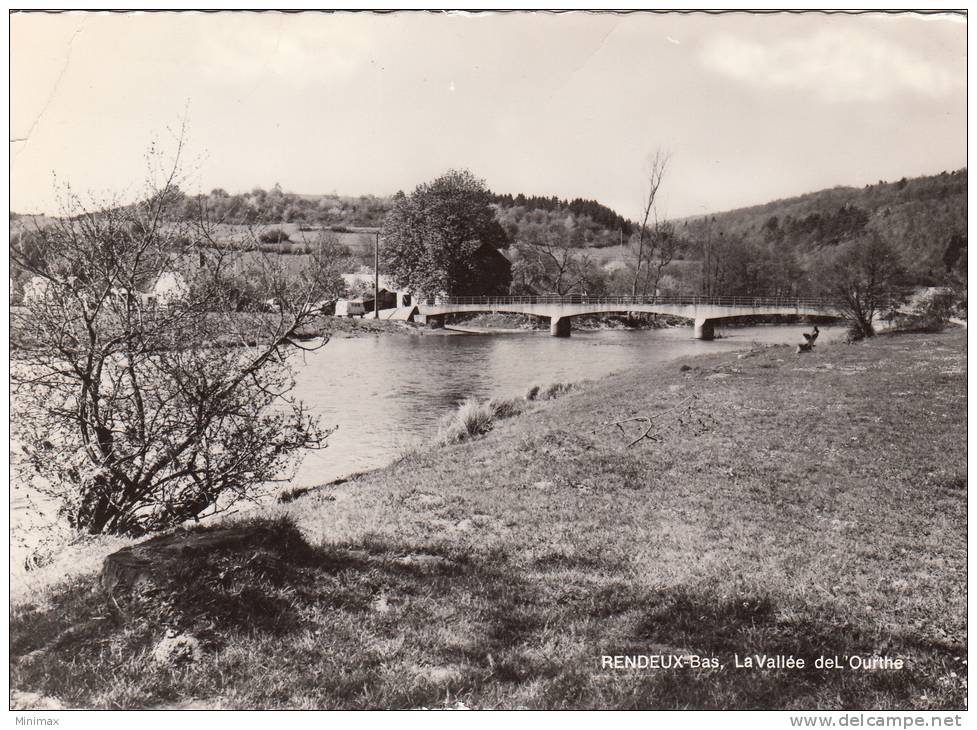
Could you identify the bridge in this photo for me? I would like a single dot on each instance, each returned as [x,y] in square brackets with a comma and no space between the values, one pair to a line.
[704,311]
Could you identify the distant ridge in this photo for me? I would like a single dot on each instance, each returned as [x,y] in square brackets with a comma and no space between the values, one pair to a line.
[920,216]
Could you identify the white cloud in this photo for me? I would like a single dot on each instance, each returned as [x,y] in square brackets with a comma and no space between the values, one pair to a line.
[837,65]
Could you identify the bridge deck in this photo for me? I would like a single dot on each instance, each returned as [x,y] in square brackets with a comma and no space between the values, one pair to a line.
[629,300]
[691,307]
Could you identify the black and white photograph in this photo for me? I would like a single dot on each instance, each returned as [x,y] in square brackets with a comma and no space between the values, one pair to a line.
[488,360]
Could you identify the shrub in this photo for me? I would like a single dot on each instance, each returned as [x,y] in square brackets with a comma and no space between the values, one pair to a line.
[555,390]
[163,426]
[505,407]
[931,314]
[934,311]
[532,393]
[290,495]
[855,333]
[475,417]
[273,235]
[471,419]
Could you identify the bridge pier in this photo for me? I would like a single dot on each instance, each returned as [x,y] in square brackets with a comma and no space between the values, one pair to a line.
[560,326]
[703,329]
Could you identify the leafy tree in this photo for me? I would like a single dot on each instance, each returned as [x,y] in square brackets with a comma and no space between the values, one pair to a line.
[137,415]
[862,277]
[429,237]
[580,208]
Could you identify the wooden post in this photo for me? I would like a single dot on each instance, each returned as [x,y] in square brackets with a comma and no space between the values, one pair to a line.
[376,279]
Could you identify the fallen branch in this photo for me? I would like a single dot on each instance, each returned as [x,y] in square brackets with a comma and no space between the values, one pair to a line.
[682,414]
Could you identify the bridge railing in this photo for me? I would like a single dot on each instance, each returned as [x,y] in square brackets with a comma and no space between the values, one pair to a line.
[788,302]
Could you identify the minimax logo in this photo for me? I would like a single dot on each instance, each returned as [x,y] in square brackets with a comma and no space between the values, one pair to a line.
[37,720]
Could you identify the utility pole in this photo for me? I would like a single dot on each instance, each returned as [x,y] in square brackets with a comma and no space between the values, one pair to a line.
[376,279]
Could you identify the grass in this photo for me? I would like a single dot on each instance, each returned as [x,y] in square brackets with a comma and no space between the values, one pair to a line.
[300,236]
[474,418]
[506,407]
[554,390]
[471,419]
[823,512]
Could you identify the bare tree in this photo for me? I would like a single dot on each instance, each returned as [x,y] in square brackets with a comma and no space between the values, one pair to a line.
[648,233]
[150,369]
[554,262]
[664,244]
[862,277]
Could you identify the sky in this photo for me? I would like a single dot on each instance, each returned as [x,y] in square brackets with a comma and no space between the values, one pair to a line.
[749,107]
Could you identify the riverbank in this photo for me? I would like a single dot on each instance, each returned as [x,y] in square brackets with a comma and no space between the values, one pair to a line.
[802,506]
[347,327]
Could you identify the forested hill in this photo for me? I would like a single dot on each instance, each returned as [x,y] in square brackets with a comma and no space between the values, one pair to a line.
[596,224]
[925,218]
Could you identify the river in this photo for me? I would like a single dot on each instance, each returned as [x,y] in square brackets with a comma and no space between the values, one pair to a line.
[386,394]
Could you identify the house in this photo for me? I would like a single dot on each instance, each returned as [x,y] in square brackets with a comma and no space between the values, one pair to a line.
[493,273]
[490,274]
[168,288]
[363,284]
[387,299]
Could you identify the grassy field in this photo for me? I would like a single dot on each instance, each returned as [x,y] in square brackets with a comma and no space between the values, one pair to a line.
[808,505]
[361,246]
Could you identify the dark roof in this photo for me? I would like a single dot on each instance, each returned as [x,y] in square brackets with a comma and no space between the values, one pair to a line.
[487,249]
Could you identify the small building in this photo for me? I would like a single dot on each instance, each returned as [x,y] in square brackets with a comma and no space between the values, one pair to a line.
[494,272]
[490,275]
[390,296]
[388,299]
[168,288]
[350,307]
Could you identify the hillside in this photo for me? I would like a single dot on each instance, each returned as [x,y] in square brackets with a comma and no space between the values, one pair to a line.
[587,223]
[598,224]
[762,249]
[923,217]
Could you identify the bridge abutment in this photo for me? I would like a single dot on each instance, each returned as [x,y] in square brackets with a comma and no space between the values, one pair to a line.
[560,326]
[704,329]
